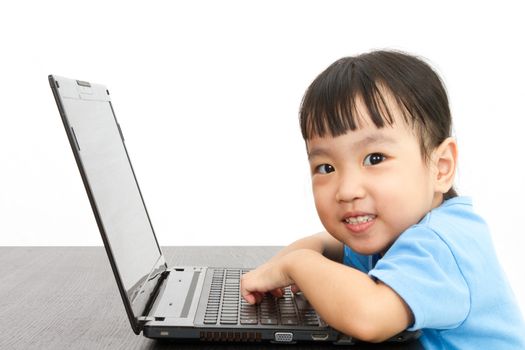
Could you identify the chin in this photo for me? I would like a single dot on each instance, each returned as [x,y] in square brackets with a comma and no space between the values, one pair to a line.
[365,249]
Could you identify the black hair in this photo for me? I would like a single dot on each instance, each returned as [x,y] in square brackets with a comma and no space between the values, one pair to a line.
[329,103]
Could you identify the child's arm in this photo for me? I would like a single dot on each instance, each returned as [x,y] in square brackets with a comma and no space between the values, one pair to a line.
[345,298]
[321,242]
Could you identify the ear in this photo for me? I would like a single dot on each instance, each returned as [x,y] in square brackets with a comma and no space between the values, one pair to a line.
[445,160]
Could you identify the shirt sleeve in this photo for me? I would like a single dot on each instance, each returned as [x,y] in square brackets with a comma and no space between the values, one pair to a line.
[421,268]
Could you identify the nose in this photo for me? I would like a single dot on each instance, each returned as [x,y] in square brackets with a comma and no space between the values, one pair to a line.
[350,188]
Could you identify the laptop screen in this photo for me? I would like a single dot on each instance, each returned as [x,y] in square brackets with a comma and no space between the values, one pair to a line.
[109,176]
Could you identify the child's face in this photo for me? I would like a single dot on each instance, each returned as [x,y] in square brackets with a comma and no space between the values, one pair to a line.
[371,184]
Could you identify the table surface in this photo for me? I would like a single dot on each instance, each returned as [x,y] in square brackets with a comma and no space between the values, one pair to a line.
[66,297]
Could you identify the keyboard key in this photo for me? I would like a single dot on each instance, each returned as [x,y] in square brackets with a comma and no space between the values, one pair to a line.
[311,322]
[289,321]
[269,321]
[249,320]
[229,322]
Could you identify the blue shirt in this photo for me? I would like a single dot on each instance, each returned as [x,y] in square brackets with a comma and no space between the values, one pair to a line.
[445,268]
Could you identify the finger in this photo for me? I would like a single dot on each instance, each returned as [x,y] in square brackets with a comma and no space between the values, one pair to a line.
[246,293]
[295,289]
[250,298]
[278,293]
[258,297]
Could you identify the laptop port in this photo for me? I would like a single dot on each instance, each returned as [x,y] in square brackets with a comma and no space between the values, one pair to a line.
[319,336]
[283,337]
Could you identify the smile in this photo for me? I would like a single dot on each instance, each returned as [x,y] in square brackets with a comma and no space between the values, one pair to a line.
[355,220]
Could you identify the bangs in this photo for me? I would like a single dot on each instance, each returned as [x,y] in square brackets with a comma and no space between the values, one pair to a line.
[330,105]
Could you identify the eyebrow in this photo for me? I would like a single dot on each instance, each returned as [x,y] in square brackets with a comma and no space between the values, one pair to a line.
[368,140]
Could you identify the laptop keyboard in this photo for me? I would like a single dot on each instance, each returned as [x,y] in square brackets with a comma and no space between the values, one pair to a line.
[226,306]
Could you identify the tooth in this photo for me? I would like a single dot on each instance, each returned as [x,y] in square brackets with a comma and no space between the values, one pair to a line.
[359,219]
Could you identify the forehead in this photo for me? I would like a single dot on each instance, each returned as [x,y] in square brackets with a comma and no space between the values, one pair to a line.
[398,135]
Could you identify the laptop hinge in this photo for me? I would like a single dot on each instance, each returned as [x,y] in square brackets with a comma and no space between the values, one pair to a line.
[143,319]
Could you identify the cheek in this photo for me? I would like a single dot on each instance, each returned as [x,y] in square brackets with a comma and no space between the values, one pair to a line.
[321,200]
[405,198]
[390,189]
[410,181]
[323,204]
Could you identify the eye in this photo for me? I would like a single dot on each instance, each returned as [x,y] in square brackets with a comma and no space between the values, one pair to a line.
[373,159]
[324,169]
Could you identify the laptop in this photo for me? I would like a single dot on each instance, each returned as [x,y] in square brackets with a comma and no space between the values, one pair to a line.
[186,303]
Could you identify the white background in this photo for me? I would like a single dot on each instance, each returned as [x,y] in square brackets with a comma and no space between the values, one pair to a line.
[207,94]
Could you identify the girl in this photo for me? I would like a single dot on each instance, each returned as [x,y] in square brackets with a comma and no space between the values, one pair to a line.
[401,249]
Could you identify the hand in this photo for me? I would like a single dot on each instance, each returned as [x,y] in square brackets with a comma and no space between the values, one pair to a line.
[270,277]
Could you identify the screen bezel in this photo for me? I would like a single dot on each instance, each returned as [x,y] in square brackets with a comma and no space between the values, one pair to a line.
[138,305]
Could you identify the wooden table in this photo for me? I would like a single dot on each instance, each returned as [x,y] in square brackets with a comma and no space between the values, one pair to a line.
[67,298]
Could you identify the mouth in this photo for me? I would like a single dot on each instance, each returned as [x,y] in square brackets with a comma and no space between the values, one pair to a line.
[359,219]
[359,223]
